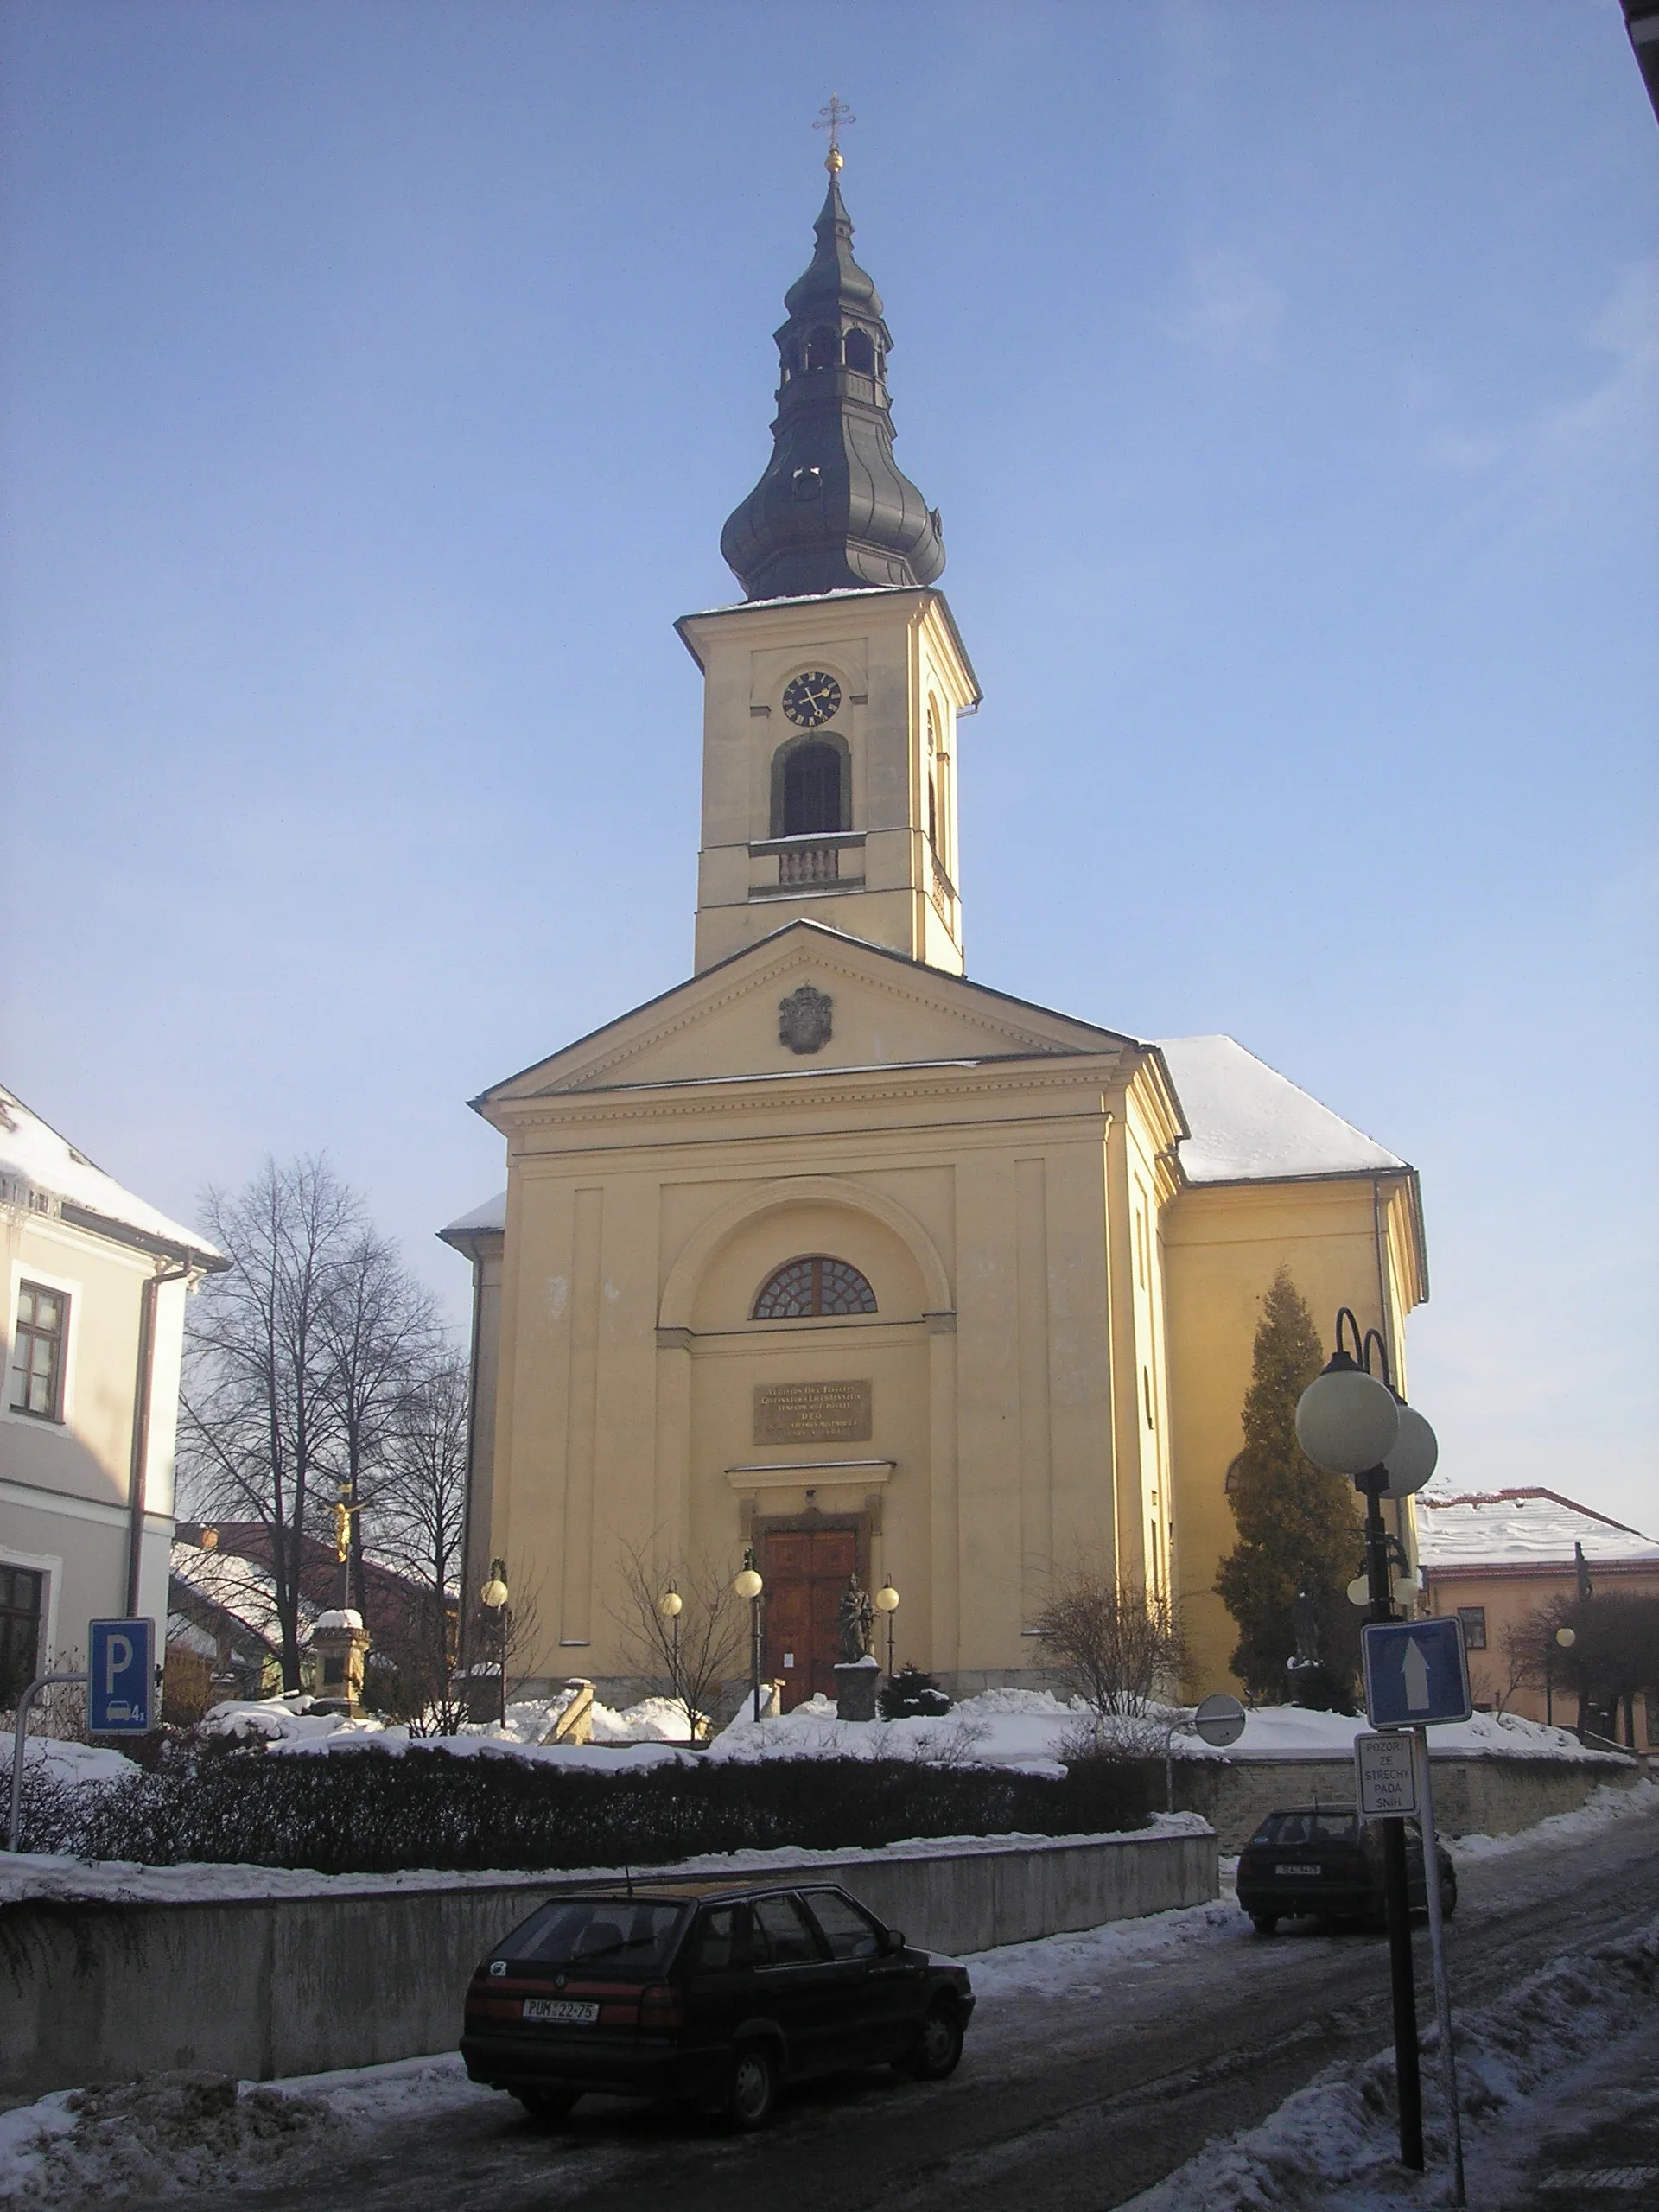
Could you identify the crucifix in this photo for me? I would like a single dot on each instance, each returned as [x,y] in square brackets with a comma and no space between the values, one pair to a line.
[344,1512]
[832,118]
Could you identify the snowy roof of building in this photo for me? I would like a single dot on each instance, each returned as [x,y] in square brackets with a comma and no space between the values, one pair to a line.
[492,1215]
[34,1156]
[1249,1124]
[1520,1528]
[241,1587]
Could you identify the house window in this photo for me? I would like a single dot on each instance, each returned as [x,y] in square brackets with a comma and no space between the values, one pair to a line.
[811,1288]
[1474,1626]
[21,1592]
[37,1351]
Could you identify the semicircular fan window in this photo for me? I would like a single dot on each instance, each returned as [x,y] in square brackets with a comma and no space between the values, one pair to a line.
[813,1289]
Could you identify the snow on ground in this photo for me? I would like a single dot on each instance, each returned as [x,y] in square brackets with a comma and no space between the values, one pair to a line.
[1329,2149]
[133,2141]
[1600,1810]
[61,1761]
[78,2151]
[1029,1729]
[1333,2146]
[48,1874]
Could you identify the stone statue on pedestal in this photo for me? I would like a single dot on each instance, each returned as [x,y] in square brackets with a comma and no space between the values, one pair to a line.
[856,1619]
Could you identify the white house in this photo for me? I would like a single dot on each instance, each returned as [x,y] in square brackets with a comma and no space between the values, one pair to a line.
[95,1284]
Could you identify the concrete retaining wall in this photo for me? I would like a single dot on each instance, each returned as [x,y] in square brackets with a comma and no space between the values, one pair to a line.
[260,1988]
[1472,1796]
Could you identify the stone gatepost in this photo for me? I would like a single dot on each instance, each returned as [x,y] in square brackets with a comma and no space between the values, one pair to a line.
[339,1646]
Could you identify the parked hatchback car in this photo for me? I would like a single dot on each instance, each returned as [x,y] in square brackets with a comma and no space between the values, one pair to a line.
[714,1993]
[1323,1859]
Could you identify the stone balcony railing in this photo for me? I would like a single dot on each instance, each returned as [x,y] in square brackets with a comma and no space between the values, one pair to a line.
[834,862]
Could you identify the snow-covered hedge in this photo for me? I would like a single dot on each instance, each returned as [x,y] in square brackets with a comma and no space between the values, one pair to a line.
[425,1807]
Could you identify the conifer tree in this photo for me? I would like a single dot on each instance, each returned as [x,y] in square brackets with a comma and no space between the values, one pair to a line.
[1299,1528]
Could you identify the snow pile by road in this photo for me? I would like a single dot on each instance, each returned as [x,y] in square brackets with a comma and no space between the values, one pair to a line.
[1333,2147]
[1600,1810]
[129,2142]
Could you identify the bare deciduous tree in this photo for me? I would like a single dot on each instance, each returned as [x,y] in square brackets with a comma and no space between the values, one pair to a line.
[419,1519]
[383,1344]
[257,1419]
[1118,1645]
[316,1369]
[698,1651]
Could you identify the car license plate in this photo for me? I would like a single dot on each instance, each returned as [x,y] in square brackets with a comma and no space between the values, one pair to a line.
[565,2009]
[1277,1870]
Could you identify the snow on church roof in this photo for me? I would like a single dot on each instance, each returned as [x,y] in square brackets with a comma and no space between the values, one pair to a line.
[1520,1528]
[1249,1124]
[492,1214]
[35,1159]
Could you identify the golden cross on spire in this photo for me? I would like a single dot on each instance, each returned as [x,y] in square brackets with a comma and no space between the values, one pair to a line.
[832,118]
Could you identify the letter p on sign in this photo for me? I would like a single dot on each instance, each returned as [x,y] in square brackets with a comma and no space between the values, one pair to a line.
[121,1690]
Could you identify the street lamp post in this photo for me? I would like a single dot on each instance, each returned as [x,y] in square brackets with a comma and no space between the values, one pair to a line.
[670,1606]
[748,1584]
[494,1596]
[887,1601]
[1350,1423]
[1564,1639]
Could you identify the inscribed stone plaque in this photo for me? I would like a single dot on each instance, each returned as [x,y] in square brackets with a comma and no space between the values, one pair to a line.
[812,1412]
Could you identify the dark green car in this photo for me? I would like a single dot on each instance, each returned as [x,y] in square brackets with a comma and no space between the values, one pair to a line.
[715,1993]
[1326,1861]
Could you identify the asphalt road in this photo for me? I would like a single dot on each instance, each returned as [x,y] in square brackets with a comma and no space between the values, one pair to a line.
[1078,2102]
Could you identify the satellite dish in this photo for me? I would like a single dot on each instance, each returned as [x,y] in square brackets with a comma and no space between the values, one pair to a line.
[1220,1720]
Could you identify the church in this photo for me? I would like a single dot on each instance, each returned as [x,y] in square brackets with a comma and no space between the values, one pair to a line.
[833,1255]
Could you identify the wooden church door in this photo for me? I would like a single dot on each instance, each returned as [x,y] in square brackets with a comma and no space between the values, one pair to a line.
[805,1573]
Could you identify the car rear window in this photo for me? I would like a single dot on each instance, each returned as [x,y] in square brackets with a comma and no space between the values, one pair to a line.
[613,1933]
[1281,1829]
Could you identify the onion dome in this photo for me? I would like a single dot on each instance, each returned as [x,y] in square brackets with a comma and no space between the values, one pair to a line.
[833,511]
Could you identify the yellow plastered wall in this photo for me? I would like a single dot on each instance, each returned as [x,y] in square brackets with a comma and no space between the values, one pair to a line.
[1346,1242]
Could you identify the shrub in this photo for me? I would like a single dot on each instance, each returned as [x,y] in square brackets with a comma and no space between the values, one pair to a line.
[372,1811]
[911,1695]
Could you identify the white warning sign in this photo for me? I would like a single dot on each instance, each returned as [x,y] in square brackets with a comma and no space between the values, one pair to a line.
[1387,1780]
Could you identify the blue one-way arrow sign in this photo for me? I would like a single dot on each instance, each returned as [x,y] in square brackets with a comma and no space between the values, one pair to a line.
[1415,1673]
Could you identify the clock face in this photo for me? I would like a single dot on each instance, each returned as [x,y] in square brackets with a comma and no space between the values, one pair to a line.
[811,699]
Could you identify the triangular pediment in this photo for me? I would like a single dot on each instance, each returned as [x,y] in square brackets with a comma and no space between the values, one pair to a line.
[884,1012]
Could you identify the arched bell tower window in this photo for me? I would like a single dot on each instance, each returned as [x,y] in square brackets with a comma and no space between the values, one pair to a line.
[860,354]
[812,1289]
[812,791]
[823,350]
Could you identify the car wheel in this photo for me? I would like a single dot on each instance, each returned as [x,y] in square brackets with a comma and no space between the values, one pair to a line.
[1265,1924]
[936,2051]
[751,2093]
[547,2105]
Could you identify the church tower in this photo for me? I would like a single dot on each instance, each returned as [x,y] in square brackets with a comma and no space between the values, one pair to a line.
[832,695]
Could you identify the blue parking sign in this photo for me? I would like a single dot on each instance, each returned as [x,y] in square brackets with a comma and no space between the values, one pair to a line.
[120,1677]
[1417,1672]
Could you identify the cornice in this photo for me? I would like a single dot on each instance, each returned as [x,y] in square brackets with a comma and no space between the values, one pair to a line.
[805,1094]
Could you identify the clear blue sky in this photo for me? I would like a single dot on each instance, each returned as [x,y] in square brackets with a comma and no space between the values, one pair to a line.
[378,378]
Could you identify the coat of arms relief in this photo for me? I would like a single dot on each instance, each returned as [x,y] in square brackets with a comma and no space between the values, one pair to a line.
[804,1018]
